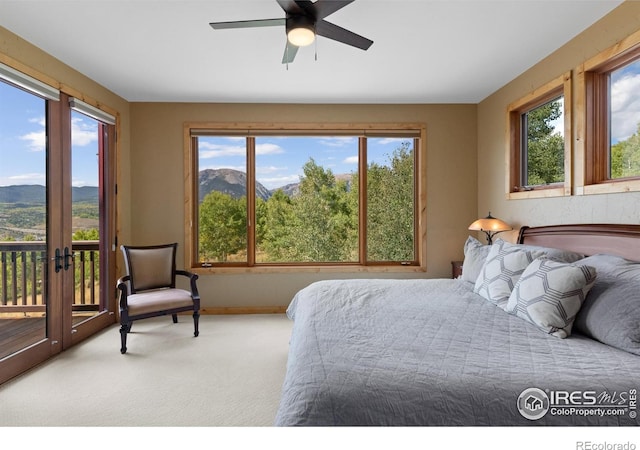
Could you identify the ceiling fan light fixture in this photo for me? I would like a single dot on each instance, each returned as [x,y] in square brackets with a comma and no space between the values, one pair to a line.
[301,37]
[300,31]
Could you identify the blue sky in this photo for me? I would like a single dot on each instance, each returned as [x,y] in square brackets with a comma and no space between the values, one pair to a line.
[22,141]
[279,160]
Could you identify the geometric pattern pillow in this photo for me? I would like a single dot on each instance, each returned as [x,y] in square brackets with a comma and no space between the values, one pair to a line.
[549,294]
[501,271]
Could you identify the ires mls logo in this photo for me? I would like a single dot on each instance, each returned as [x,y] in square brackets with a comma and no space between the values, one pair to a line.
[534,403]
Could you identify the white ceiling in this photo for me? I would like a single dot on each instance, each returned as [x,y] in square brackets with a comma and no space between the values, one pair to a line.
[424,51]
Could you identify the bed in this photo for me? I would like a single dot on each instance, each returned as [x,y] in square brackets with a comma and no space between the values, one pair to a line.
[463,352]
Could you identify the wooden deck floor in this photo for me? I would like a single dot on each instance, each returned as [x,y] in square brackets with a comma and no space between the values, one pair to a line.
[16,334]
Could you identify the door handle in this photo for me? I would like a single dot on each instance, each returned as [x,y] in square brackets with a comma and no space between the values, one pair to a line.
[68,256]
[57,259]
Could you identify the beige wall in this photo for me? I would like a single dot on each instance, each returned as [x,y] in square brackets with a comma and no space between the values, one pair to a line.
[157,187]
[602,208]
[150,171]
[465,162]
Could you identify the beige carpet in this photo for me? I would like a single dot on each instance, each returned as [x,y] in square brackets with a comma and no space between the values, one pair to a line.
[231,375]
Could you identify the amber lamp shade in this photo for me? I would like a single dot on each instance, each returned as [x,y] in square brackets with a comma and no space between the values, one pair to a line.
[490,226]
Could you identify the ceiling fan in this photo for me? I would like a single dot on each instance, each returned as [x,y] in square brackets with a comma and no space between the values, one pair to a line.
[303,21]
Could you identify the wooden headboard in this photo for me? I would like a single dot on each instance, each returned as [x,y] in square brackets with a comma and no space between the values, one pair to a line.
[589,239]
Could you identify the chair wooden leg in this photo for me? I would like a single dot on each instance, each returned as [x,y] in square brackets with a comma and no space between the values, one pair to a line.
[175,318]
[124,329]
[196,317]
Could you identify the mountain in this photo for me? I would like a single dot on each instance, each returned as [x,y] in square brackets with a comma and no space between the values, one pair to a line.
[291,190]
[36,194]
[233,183]
[87,194]
[228,181]
[32,193]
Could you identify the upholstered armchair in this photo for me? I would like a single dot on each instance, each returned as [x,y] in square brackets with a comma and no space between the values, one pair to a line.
[149,288]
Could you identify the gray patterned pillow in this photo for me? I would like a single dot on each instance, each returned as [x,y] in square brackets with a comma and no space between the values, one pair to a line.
[549,294]
[475,254]
[502,269]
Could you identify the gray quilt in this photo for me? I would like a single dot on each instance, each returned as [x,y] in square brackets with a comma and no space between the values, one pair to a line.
[431,352]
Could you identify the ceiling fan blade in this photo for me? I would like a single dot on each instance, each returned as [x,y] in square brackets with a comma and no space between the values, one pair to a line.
[325,7]
[289,53]
[247,24]
[291,7]
[331,31]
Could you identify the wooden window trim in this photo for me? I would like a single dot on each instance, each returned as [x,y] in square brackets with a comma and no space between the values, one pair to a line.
[592,136]
[560,86]
[309,129]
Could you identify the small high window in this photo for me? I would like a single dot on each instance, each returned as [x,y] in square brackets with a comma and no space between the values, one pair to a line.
[624,134]
[539,152]
[611,145]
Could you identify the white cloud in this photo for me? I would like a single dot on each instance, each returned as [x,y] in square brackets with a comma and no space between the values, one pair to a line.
[337,141]
[227,166]
[211,150]
[625,107]
[83,133]
[276,182]
[387,141]
[25,178]
[350,160]
[37,140]
[269,169]
[268,149]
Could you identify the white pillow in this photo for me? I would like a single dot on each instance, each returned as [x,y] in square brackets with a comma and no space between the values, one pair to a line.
[549,294]
[502,269]
[475,254]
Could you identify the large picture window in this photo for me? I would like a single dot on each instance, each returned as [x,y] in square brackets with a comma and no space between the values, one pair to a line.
[539,154]
[304,197]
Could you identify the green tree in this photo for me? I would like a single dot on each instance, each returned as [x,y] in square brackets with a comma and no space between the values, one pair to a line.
[546,160]
[625,157]
[322,222]
[539,120]
[390,207]
[275,219]
[86,235]
[545,149]
[83,278]
[223,226]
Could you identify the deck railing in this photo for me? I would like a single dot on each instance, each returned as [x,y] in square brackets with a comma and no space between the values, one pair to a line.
[23,276]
